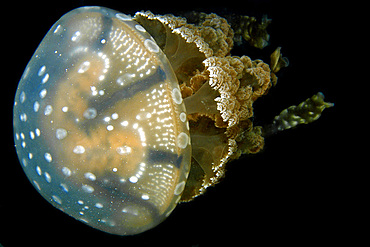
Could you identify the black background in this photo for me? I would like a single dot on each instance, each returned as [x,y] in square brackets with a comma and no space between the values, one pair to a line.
[290,193]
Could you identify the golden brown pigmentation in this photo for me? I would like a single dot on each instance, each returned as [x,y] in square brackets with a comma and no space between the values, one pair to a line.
[219,89]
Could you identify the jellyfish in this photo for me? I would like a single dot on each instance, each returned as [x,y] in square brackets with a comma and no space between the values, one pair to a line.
[119,118]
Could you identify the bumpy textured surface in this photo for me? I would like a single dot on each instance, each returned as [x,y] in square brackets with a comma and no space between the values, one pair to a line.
[306,112]
[100,125]
[218,90]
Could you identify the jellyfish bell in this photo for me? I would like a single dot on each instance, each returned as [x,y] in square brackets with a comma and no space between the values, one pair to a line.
[98,129]
[119,118]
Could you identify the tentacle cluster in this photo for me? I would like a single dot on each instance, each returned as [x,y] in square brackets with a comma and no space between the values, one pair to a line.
[218,89]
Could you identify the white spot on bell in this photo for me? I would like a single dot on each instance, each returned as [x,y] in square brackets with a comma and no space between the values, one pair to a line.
[43,93]
[182,140]
[47,177]
[58,29]
[23,117]
[60,133]
[56,199]
[36,185]
[22,96]
[151,45]
[83,67]
[124,150]
[183,117]
[179,188]
[76,36]
[140,28]
[36,106]
[48,110]
[38,170]
[48,157]
[176,96]
[45,79]
[64,187]
[87,188]
[133,179]
[24,162]
[90,113]
[90,176]
[41,71]
[145,197]
[79,149]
